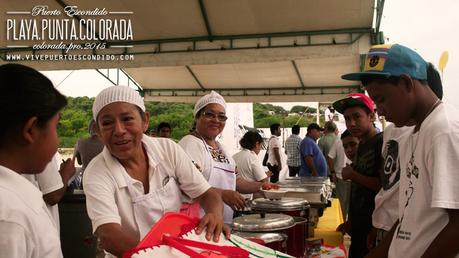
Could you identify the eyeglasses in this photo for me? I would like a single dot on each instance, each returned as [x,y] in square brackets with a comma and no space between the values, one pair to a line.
[210,115]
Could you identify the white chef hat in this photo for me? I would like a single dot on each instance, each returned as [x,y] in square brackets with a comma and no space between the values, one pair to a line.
[116,94]
[212,97]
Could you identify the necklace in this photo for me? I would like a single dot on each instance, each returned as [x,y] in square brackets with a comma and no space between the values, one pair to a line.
[411,168]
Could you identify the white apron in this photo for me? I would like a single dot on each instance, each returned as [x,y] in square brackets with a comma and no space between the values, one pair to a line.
[150,207]
[222,175]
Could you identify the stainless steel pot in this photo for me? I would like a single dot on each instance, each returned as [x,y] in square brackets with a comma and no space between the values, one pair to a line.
[276,241]
[264,222]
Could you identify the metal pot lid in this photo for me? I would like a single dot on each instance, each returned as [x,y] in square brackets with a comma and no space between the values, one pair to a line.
[266,237]
[284,204]
[263,222]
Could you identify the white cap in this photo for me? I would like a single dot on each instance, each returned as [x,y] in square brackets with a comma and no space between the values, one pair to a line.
[212,97]
[116,94]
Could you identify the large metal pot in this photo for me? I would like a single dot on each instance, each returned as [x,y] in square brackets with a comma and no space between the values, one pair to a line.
[297,235]
[290,206]
[296,207]
[275,241]
[266,223]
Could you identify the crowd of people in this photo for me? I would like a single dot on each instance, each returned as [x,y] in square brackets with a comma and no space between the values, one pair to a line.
[396,187]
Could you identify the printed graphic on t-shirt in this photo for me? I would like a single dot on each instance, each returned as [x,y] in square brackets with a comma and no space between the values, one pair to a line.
[391,165]
[412,173]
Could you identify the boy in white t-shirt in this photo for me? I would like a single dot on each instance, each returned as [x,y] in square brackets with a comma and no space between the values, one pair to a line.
[385,214]
[396,79]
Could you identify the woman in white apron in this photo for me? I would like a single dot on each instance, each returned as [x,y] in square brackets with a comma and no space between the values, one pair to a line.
[137,179]
[215,163]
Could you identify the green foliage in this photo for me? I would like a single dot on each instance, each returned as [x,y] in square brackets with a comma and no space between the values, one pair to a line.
[263,119]
[302,109]
[178,115]
[74,121]
[76,115]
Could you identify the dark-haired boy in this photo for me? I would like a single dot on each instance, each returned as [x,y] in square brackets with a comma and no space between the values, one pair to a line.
[364,173]
[341,154]
[396,77]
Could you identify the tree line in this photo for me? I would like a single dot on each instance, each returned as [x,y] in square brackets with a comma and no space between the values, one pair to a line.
[75,117]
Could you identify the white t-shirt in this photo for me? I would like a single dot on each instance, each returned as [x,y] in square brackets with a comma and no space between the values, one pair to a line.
[431,187]
[385,213]
[339,157]
[27,228]
[249,167]
[107,197]
[273,143]
[196,149]
[49,181]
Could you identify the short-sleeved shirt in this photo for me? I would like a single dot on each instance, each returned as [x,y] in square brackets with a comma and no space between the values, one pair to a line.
[326,142]
[107,197]
[87,149]
[292,149]
[386,201]
[309,147]
[428,183]
[27,228]
[48,181]
[199,152]
[272,144]
[339,157]
[368,162]
[248,166]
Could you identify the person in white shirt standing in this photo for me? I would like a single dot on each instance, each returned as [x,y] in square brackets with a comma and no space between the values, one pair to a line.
[29,107]
[247,163]
[212,157]
[396,79]
[385,214]
[274,148]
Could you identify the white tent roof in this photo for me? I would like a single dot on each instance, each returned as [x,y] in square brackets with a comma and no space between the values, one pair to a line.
[248,50]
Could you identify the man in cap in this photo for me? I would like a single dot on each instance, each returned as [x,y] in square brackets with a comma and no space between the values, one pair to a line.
[364,173]
[312,160]
[397,78]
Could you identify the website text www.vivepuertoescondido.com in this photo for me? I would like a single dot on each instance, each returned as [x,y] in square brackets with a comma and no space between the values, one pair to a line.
[68,57]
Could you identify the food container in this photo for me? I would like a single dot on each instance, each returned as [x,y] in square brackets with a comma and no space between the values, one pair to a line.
[290,206]
[296,207]
[276,241]
[297,235]
[274,194]
[264,222]
[316,190]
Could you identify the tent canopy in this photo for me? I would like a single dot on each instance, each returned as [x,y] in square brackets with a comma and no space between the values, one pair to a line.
[248,50]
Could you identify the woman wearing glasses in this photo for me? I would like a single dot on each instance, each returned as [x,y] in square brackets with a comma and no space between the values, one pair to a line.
[210,156]
[137,179]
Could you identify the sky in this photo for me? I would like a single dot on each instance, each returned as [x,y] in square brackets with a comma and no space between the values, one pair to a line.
[427,26]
